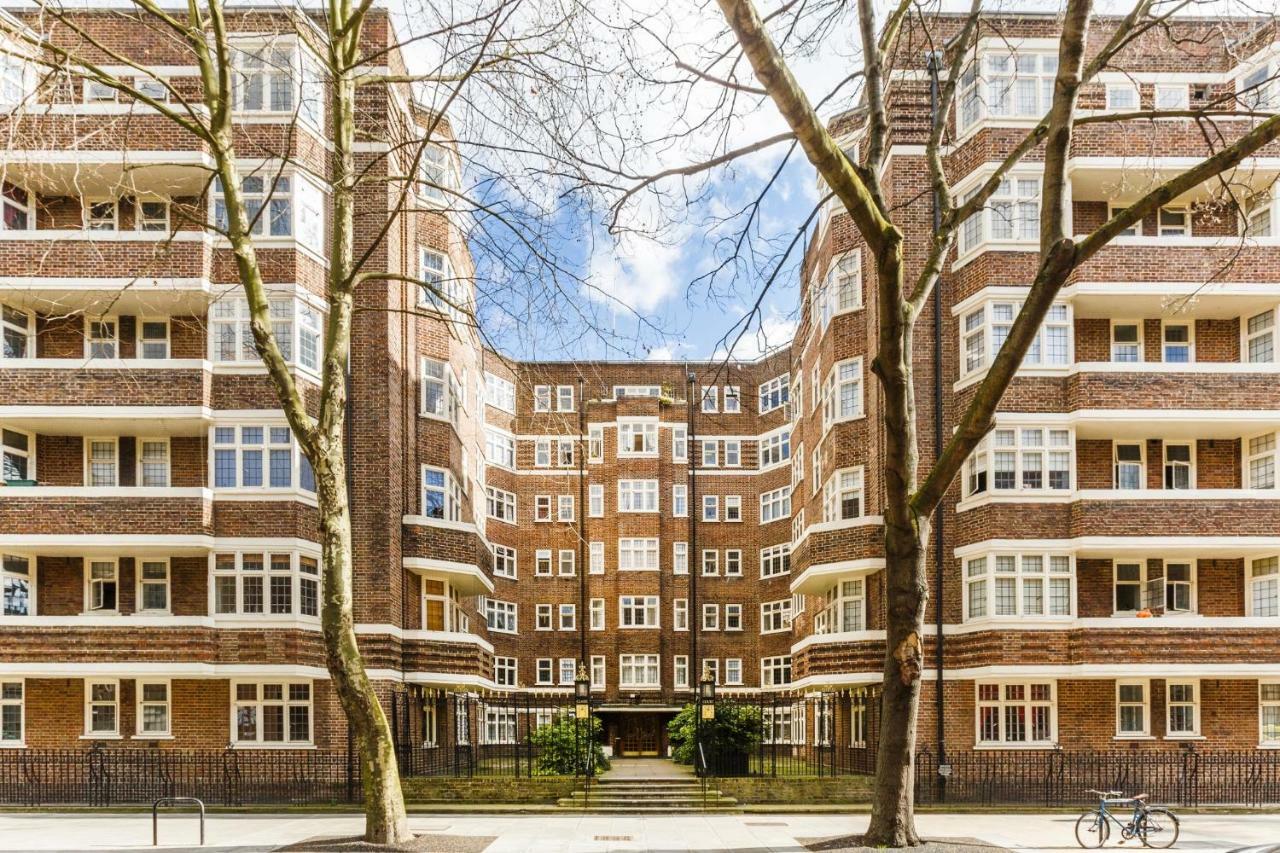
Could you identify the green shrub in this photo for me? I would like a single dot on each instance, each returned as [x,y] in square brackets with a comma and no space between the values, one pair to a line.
[562,746]
[734,731]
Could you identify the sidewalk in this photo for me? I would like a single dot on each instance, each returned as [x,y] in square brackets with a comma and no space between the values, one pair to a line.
[251,833]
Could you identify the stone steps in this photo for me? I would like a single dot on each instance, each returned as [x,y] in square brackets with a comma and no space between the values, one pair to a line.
[650,796]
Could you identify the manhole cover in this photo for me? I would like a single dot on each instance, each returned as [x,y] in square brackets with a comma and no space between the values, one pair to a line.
[613,838]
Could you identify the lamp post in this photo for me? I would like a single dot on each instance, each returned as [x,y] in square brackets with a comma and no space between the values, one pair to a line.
[707,695]
[582,694]
[581,712]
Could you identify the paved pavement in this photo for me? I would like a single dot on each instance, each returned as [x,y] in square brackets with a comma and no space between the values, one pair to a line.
[256,833]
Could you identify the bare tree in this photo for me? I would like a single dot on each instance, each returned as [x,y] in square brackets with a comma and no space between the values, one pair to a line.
[904,286]
[513,75]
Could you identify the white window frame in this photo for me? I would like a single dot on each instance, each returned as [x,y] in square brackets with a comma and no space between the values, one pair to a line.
[774,449]
[146,347]
[1262,577]
[20,326]
[500,393]
[1261,461]
[595,564]
[90,478]
[92,585]
[775,393]
[1268,700]
[775,560]
[680,614]
[90,703]
[629,431]
[1003,702]
[844,484]
[1020,442]
[296,323]
[142,582]
[639,664]
[775,616]
[1145,705]
[505,561]
[501,505]
[843,601]
[1171,466]
[732,508]
[595,443]
[565,509]
[501,616]
[1189,344]
[638,496]
[13,694]
[450,492]
[141,704]
[595,500]
[566,563]
[1026,571]
[775,505]
[1194,705]
[846,374]
[680,500]
[596,614]
[679,558]
[775,671]
[1183,230]
[984,328]
[1011,216]
[18,586]
[260,702]
[1129,89]
[639,612]
[638,554]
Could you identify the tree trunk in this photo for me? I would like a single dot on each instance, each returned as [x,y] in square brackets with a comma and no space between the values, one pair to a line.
[893,801]
[385,819]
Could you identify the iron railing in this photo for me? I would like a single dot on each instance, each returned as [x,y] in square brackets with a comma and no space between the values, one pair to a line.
[1052,778]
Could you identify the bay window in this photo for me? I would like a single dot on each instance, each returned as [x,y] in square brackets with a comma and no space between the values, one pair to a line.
[499,448]
[984,330]
[842,500]
[442,290]
[1259,89]
[1011,214]
[500,393]
[1023,459]
[292,319]
[281,206]
[442,607]
[271,713]
[278,76]
[1017,714]
[843,608]
[1029,585]
[842,393]
[278,583]
[1006,85]
[441,494]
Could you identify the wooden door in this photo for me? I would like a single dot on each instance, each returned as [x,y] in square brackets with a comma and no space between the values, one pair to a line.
[641,734]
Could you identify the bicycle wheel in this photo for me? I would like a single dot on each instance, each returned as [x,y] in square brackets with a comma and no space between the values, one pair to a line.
[1092,829]
[1158,827]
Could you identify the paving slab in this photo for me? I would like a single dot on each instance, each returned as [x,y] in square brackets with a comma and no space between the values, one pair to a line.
[516,833]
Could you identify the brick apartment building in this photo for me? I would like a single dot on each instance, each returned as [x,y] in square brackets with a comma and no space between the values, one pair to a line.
[515,520]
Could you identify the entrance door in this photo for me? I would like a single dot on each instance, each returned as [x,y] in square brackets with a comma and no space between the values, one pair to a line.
[641,734]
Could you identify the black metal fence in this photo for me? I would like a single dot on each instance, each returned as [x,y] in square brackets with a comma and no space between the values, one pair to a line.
[831,734]
[101,777]
[1185,777]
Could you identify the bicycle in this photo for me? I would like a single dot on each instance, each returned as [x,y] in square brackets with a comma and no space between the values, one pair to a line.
[1154,826]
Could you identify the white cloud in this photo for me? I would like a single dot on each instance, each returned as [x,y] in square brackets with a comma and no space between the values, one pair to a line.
[773,331]
[633,272]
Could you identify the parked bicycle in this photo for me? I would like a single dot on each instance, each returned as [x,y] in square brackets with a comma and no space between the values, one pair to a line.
[1154,826]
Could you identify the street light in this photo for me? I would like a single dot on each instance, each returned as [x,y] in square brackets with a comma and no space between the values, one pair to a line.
[707,694]
[582,694]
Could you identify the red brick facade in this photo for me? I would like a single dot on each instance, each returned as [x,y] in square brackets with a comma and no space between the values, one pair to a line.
[516,520]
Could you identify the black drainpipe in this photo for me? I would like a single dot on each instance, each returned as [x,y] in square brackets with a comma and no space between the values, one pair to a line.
[583,568]
[693,672]
[934,62]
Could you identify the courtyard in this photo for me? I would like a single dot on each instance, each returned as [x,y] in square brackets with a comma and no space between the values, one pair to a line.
[750,833]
